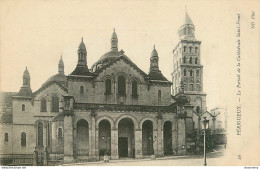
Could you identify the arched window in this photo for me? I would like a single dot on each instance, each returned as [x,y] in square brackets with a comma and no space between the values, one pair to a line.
[180,61]
[55,103]
[184,72]
[40,134]
[43,105]
[190,49]
[197,73]
[23,139]
[60,133]
[196,60]
[197,109]
[184,59]
[6,137]
[190,60]
[191,73]
[121,86]
[198,87]
[23,107]
[134,88]
[159,95]
[196,50]
[108,87]
[184,49]
[191,87]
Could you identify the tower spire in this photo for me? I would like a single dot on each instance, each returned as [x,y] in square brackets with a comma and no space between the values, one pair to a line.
[61,66]
[82,54]
[154,59]
[25,90]
[186,31]
[114,41]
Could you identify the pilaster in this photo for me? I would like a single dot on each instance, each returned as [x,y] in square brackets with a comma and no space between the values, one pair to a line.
[138,144]
[114,144]
[68,139]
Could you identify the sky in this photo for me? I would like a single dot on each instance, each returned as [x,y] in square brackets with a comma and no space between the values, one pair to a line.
[36,33]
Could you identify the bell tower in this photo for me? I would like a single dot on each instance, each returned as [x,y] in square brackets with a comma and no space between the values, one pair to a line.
[187,68]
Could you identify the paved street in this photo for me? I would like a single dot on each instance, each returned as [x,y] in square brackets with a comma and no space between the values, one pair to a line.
[212,160]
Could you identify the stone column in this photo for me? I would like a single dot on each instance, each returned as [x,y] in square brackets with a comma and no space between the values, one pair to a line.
[92,139]
[155,142]
[68,139]
[35,157]
[114,144]
[174,137]
[181,137]
[138,143]
[159,139]
[96,144]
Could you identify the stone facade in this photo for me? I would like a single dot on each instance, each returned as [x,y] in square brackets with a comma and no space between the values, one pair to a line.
[114,108]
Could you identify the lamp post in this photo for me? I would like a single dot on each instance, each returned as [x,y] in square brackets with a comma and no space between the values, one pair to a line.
[151,140]
[106,139]
[205,125]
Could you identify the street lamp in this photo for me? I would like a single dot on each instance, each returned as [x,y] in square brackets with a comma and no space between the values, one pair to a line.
[152,140]
[205,125]
[106,139]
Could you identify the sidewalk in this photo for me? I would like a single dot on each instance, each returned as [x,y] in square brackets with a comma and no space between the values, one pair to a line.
[210,155]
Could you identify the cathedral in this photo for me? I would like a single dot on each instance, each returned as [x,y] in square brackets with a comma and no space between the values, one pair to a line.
[112,107]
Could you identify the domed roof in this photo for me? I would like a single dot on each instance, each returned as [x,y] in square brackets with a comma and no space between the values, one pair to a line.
[154,52]
[60,78]
[26,73]
[114,35]
[82,45]
[105,59]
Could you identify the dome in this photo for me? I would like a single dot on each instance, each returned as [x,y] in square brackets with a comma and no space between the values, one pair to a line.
[154,52]
[82,45]
[105,59]
[60,78]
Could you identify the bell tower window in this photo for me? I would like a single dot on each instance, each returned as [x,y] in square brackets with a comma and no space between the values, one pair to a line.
[108,87]
[196,60]
[190,60]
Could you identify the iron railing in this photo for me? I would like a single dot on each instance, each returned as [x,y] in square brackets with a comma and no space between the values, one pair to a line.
[16,159]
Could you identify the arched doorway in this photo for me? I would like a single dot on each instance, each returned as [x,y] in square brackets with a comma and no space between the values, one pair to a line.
[126,141]
[82,138]
[104,138]
[167,138]
[147,137]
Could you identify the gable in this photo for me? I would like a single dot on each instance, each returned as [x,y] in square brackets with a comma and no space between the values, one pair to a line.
[51,88]
[124,66]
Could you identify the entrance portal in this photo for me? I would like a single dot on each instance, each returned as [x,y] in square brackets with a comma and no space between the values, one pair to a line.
[147,137]
[123,146]
[126,138]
